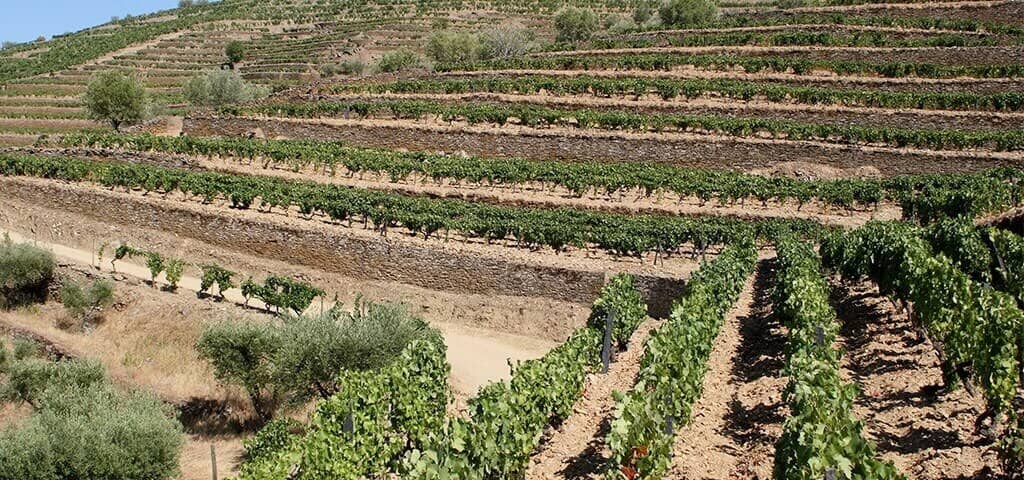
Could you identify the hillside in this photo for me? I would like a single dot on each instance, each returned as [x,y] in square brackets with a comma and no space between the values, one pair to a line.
[804,214]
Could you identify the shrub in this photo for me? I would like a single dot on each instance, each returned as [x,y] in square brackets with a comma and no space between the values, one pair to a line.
[25,274]
[688,13]
[315,348]
[398,60]
[86,303]
[116,97]
[352,66]
[575,24]
[174,272]
[644,11]
[235,51]
[242,354]
[273,437]
[184,3]
[3,358]
[93,432]
[221,87]
[26,348]
[29,379]
[453,47]
[506,40]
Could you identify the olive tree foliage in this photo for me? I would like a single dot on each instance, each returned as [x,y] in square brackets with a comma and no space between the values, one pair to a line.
[449,46]
[688,13]
[574,24]
[509,39]
[116,97]
[222,87]
[314,349]
[235,51]
[84,427]
[25,273]
[242,354]
[85,302]
[398,60]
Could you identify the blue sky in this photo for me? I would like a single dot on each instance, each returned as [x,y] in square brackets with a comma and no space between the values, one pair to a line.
[25,20]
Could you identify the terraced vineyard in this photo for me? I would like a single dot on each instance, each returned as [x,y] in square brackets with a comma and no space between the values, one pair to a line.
[544,240]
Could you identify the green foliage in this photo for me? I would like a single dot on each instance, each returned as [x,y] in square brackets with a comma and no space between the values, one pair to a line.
[282,292]
[353,66]
[575,24]
[273,438]
[978,328]
[116,97]
[673,367]
[175,269]
[235,51]
[392,409]
[507,419]
[85,303]
[821,432]
[959,240]
[398,60]
[25,347]
[156,263]
[4,358]
[451,46]
[29,378]
[688,13]
[92,431]
[1008,249]
[643,11]
[619,295]
[542,116]
[505,40]
[221,87]
[25,274]
[242,353]
[630,235]
[315,348]
[214,274]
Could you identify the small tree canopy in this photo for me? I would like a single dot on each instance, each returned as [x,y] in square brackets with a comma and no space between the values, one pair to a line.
[453,47]
[242,354]
[221,87]
[235,52]
[688,13]
[116,97]
[84,303]
[25,273]
[505,40]
[575,24]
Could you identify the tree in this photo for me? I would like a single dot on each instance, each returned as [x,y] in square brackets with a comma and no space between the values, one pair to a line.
[28,379]
[221,87]
[116,97]
[575,24]
[453,47]
[25,273]
[509,39]
[688,13]
[242,354]
[644,11]
[84,303]
[235,51]
[185,3]
[398,60]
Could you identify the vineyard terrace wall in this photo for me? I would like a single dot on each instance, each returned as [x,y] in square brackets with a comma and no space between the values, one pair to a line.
[741,155]
[385,259]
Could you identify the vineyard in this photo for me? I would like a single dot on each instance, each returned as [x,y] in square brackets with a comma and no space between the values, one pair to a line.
[540,240]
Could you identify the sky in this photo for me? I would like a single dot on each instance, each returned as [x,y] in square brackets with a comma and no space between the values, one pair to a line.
[25,20]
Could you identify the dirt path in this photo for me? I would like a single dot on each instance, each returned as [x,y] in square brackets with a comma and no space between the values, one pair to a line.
[477,356]
[927,432]
[576,449]
[738,418]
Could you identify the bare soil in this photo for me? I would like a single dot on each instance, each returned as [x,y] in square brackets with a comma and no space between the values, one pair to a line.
[738,418]
[576,448]
[927,431]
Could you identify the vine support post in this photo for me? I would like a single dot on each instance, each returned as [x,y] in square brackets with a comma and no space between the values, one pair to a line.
[213,462]
[606,350]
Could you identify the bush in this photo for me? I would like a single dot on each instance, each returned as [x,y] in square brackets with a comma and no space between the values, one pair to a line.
[688,13]
[116,97]
[506,40]
[575,24]
[353,66]
[644,11]
[242,354]
[235,51]
[29,379]
[222,87]
[215,274]
[93,432]
[26,348]
[398,60]
[25,274]
[273,437]
[85,303]
[174,272]
[620,295]
[315,348]
[184,3]
[453,47]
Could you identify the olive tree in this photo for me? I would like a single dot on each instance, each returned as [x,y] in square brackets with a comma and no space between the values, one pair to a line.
[242,353]
[116,97]
[221,87]
[235,51]
[575,24]
[688,13]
